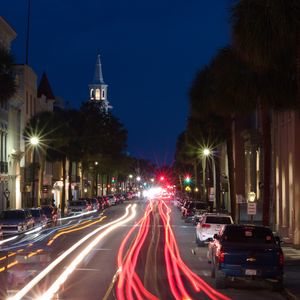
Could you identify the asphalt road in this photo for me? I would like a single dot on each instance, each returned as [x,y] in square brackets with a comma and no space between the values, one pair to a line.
[146,236]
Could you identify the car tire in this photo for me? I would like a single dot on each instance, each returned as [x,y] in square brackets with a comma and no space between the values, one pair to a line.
[278,285]
[220,279]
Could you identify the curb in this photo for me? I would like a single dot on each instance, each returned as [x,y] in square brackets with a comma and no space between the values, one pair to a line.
[289,295]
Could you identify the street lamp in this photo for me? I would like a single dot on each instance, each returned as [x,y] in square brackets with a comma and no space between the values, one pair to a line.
[138,178]
[206,152]
[34,141]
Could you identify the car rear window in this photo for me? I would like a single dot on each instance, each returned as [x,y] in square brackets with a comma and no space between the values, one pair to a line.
[35,212]
[218,220]
[13,214]
[249,234]
[77,203]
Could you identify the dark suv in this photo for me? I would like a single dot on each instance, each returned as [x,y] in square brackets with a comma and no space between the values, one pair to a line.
[246,251]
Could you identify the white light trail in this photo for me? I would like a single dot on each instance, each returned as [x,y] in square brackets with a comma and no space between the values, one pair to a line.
[20,294]
[48,295]
[34,230]
[7,240]
[78,216]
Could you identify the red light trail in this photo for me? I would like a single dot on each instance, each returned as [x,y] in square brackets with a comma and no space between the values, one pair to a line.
[180,278]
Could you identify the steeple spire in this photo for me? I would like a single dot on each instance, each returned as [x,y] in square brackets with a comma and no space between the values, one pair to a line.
[98,77]
[98,89]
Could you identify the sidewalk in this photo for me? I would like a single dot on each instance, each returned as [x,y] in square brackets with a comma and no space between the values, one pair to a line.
[291,272]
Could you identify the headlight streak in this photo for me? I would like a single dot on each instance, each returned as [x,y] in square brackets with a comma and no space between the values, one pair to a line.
[8,240]
[66,231]
[64,276]
[41,227]
[175,265]
[50,267]
[34,230]
[78,216]
[24,243]
[126,266]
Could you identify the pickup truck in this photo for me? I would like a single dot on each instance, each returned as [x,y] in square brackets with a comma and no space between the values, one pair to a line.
[246,251]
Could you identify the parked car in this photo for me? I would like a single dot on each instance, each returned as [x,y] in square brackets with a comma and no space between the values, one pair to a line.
[112,200]
[194,208]
[16,221]
[246,251]
[103,202]
[39,217]
[120,198]
[51,214]
[93,202]
[79,206]
[210,224]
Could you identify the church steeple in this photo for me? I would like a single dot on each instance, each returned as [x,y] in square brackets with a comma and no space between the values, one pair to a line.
[98,77]
[98,89]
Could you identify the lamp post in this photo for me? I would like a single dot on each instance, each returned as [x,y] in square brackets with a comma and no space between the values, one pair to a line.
[206,152]
[34,141]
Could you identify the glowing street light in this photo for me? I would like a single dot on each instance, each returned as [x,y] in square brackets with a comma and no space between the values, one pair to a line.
[138,178]
[130,176]
[206,152]
[34,140]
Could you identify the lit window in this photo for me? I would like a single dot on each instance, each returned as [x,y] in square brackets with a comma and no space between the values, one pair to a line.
[92,94]
[97,96]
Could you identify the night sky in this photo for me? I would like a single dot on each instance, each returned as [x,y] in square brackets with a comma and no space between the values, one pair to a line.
[150,53]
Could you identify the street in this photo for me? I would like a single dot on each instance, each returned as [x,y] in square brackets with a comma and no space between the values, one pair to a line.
[80,260]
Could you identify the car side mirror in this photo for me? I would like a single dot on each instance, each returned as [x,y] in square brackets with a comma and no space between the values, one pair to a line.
[216,236]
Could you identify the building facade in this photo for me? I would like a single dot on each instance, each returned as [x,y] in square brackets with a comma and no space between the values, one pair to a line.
[7,35]
[286,174]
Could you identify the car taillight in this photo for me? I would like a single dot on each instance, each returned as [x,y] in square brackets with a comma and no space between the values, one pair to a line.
[281,259]
[205,225]
[221,256]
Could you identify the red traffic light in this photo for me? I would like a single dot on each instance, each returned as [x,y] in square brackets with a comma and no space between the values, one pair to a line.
[162,178]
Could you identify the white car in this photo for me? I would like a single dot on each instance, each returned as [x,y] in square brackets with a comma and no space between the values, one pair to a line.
[210,224]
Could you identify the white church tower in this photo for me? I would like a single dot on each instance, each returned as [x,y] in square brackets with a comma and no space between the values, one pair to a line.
[98,89]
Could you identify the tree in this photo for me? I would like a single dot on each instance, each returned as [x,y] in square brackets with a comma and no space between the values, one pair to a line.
[7,80]
[266,35]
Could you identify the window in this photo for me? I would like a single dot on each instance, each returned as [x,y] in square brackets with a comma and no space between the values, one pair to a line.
[97,96]
[92,94]
[242,234]
[103,94]
[218,220]
[26,102]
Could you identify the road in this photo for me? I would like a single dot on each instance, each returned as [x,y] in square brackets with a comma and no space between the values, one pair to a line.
[129,251]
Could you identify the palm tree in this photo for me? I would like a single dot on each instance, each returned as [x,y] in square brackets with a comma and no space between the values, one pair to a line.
[7,81]
[266,35]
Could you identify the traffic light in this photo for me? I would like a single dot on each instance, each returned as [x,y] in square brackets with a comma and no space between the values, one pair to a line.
[162,178]
[113,180]
[187,179]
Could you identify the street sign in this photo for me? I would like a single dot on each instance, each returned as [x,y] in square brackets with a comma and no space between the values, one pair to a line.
[240,199]
[251,208]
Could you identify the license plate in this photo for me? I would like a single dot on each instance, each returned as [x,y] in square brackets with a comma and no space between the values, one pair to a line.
[250,272]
